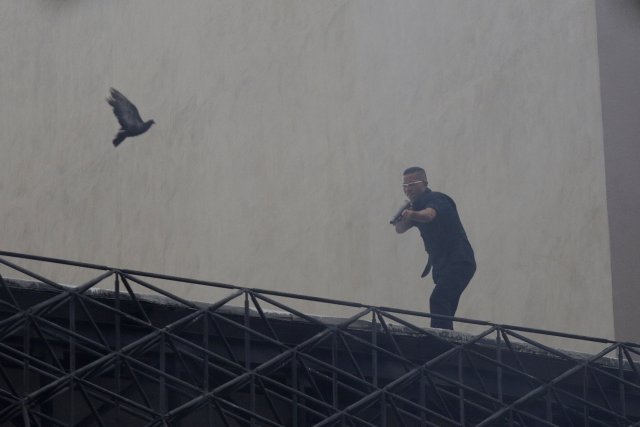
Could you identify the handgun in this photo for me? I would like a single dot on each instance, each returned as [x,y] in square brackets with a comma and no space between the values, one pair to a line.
[398,215]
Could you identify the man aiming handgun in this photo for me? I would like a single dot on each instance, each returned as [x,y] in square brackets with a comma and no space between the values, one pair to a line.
[451,257]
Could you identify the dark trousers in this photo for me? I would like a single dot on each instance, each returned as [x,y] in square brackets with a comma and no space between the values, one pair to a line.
[450,283]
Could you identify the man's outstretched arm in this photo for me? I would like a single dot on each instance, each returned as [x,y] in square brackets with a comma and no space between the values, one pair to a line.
[409,217]
[403,225]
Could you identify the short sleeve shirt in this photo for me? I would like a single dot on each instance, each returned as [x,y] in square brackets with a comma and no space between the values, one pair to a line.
[444,238]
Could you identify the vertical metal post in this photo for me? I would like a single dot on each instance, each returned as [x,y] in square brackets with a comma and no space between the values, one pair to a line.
[253,397]
[26,379]
[247,356]
[585,384]
[334,363]
[623,402]
[26,344]
[25,415]
[374,351]
[117,360]
[499,359]
[163,378]
[247,342]
[72,357]
[294,385]
[383,409]
[423,399]
[461,390]
[205,381]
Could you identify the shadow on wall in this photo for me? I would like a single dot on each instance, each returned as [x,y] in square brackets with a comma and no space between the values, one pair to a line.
[632,8]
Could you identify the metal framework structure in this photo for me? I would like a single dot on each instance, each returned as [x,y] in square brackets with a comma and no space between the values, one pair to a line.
[79,355]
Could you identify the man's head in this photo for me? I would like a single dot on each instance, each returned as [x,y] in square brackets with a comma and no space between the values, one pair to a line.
[414,182]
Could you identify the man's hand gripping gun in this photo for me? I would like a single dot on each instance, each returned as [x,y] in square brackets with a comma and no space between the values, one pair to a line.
[398,214]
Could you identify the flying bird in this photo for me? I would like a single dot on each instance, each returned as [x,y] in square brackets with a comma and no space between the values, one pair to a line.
[131,124]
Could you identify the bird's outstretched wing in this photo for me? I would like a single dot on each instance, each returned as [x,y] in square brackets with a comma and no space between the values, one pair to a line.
[125,111]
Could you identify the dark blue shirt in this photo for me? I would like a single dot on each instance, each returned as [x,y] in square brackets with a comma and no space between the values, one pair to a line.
[444,238]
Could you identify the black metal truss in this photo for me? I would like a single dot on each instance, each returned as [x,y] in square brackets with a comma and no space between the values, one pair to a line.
[79,356]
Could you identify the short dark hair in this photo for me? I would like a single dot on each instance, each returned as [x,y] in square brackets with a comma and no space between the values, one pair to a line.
[414,169]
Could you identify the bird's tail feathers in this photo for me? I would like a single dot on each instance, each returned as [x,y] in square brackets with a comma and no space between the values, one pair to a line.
[118,139]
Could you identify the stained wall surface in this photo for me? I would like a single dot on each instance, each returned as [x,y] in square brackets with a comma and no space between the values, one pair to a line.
[282,131]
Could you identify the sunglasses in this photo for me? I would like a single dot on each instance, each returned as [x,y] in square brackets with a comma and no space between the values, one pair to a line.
[411,184]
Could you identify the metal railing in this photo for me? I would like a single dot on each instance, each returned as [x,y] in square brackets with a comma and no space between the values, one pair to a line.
[70,355]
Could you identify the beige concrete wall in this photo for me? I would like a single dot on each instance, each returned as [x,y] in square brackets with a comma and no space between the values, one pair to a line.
[282,131]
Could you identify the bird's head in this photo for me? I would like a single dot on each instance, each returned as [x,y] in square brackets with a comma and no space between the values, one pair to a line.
[151,122]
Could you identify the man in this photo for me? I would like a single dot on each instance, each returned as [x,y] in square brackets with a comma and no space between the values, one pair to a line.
[450,254]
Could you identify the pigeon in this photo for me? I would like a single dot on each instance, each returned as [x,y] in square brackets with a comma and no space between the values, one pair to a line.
[131,124]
